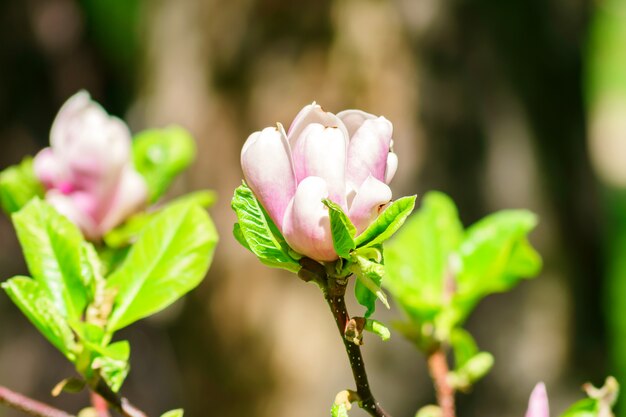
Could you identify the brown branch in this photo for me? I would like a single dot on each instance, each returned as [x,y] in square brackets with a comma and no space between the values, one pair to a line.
[28,405]
[334,293]
[438,367]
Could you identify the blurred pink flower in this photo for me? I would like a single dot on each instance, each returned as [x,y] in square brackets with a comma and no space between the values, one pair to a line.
[538,403]
[87,170]
[346,157]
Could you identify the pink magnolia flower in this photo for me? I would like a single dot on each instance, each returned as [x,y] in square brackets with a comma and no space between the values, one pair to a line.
[87,170]
[345,157]
[538,403]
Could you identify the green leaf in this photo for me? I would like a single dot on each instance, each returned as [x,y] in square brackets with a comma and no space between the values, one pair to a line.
[174,413]
[463,345]
[495,255]
[342,229]
[127,233]
[367,288]
[418,258]
[52,247]
[113,371]
[18,185]
[583,408]
[377,328]
[471,371]
[171,257]
[35,302]
[339,410]
[387,223]
[160,155]
[259,232]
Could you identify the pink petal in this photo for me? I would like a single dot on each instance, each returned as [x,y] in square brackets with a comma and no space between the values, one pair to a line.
[73,209]
[321,152]
[392,167]
[91,144]
[130,196]
[313,113]
[368,202]
[268,170]
[48,169]
[538,403]
[307,225]
[353,119]
[368,151]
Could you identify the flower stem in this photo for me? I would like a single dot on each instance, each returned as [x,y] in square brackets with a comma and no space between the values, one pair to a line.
[28,405]
[334,293]
[438,367]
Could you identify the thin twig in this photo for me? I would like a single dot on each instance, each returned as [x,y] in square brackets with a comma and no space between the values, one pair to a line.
[438,367]
[28,405]
[334,292]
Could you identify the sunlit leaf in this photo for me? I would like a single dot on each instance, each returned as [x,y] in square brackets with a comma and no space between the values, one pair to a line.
[342,229]
[170,258]
[35,302]
[418,260]
[52,248]
[18,185]
[387,223]
[259,233]
[160,155]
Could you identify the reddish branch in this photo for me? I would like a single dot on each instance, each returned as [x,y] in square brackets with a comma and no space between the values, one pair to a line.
[28,405]
[438,366]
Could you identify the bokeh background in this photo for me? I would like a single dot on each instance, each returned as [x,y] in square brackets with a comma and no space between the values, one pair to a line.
[501,104]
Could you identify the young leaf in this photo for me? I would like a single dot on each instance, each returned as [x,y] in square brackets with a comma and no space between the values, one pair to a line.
[34,301]
[18,185]
[126,234]
[495,254]
[583,408]
[387,223]
[259,232]
[463,345]
[171,256]
[160,155]
[52,249]
[339,410]
[418,258]
[377,328]
[367,288]
[174,413]
[342,229]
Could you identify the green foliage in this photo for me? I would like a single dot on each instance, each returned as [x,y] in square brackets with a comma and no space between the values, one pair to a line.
[600,402]
[52,248]
[342,229]
[387,223]
[174,413]
[339,410]
[256,231]
[77,309]
[18,185]
[170,257]
[126,234]
[377,328]
[160,155]
[35,302]
[437,273]
[367,288]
